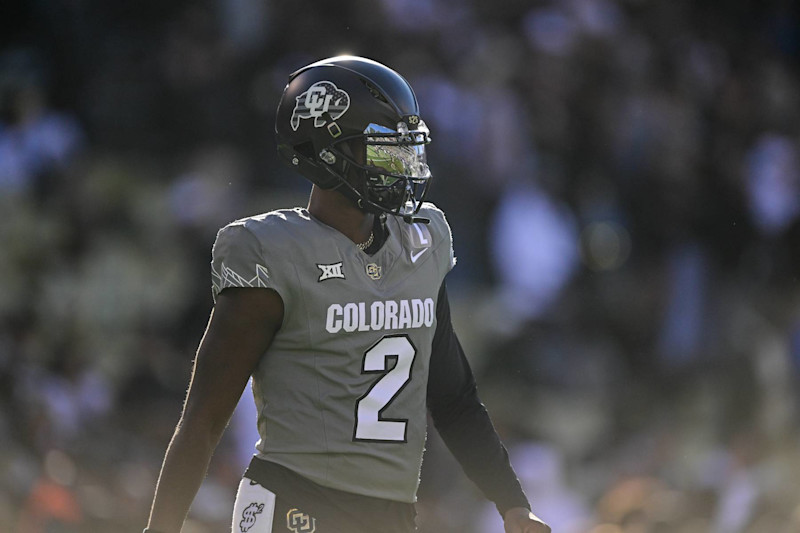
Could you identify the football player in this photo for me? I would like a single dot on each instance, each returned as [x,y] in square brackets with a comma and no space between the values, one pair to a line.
[339,312]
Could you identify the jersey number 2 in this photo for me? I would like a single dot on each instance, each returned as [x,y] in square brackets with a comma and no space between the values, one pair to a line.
[370,424]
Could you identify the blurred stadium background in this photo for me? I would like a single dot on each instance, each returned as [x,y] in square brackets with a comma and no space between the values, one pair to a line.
[623,181]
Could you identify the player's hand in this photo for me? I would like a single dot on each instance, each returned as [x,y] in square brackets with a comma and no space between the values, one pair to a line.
[521,520]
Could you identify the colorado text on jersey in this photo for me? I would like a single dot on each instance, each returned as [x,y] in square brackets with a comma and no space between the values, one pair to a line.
[381,315]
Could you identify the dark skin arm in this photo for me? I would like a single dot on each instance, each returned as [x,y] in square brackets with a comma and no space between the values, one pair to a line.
[241,328]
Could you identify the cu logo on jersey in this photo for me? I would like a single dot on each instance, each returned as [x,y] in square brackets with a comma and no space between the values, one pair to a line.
[300,522]
[322,97]
[374,271]
[249,516]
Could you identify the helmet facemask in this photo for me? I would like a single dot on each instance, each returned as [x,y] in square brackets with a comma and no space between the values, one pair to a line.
[388,170]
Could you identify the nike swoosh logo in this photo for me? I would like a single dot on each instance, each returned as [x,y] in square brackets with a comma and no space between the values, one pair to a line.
[415,256]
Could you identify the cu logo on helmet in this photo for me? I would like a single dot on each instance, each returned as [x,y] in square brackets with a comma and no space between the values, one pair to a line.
[322,97]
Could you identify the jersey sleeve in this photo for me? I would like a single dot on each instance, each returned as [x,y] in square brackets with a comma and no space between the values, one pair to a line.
[462,420]
[237,260]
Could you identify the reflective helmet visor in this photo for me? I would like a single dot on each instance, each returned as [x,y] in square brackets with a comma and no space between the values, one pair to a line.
[401,154]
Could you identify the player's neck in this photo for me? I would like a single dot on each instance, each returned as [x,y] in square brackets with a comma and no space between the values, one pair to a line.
[333,209]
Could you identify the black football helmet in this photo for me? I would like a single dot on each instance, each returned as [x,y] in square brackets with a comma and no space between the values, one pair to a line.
[352,123]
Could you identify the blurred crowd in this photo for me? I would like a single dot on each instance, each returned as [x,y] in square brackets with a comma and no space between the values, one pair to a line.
[623,182]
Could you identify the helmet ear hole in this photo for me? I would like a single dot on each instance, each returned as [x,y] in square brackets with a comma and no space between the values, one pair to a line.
[305,149]
[302,157]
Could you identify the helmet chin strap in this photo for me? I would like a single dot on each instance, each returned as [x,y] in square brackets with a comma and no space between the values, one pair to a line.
[410,219]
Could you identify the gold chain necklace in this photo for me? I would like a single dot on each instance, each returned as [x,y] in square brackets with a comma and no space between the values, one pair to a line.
[366,244]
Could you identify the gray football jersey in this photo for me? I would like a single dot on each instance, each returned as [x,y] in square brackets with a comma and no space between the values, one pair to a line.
[341,392]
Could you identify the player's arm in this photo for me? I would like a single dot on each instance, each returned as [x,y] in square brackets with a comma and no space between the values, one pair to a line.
[240,330]
[464,425]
